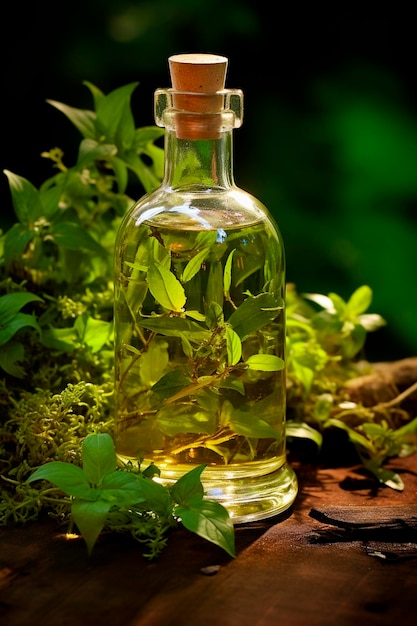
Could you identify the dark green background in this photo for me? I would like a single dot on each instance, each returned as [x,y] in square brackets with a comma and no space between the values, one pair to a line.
[329,141]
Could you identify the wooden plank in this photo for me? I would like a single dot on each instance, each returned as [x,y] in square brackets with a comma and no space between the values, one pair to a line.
[282,574]
[285,578]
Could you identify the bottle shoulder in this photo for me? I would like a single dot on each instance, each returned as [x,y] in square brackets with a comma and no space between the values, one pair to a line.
[199,207]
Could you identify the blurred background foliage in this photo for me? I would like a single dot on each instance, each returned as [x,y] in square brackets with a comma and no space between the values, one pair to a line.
[329,141]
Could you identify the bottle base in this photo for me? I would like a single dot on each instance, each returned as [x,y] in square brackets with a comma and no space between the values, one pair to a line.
[248,492]
[254,498]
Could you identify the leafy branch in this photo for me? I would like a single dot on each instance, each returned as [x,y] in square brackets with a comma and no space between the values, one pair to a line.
[101,493]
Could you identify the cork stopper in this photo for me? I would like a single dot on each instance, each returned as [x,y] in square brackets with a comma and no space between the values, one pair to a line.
[197,82]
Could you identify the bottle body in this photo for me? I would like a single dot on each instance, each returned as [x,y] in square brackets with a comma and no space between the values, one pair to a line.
[185,394]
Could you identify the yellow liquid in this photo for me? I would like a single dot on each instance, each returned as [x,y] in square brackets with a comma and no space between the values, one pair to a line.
[206,420]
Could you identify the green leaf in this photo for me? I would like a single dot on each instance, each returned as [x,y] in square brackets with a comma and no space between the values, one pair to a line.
[51,192]
[184,418]
[196,315]
[407,429]
[151,471]
[214,290]
[122,177]
[10,354]
[83,120]
[301,430]
[265,362]
[360,300]
[122,489]
[145,174]
[355,342]
[385,476]
[189,486]
[324,301]
[175,326]
[165,288]
[390,479]
[171,383]
[97,94]
[93,333]
[153,362]
[10,319]
[68,477]
[186,346]
[371,321]
[194,265]
[146,135]
[60,339]
[304,373]
[114,116]
[214,316]
[98,456]
[248,425]
[254,313]
[356,438]
[227,275]
[16,242]
[11,303]
[21,320]
[157,498]
[90,518]
[322,407]
[234,385]
[73,236]
[91,150]
[234,346]
[25,198]
[339,305]
[209,520]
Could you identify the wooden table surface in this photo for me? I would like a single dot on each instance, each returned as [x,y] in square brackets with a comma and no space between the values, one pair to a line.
[292,570]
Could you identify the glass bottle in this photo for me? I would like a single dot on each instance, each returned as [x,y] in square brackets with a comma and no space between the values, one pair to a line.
[200,311]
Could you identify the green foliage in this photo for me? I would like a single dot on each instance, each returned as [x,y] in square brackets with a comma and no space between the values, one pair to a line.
[342,326]
[56,350]
[11,321]
[66,228]
[324,348]
[101,487]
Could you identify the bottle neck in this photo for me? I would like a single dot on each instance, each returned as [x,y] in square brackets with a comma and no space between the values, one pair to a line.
[198,163]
